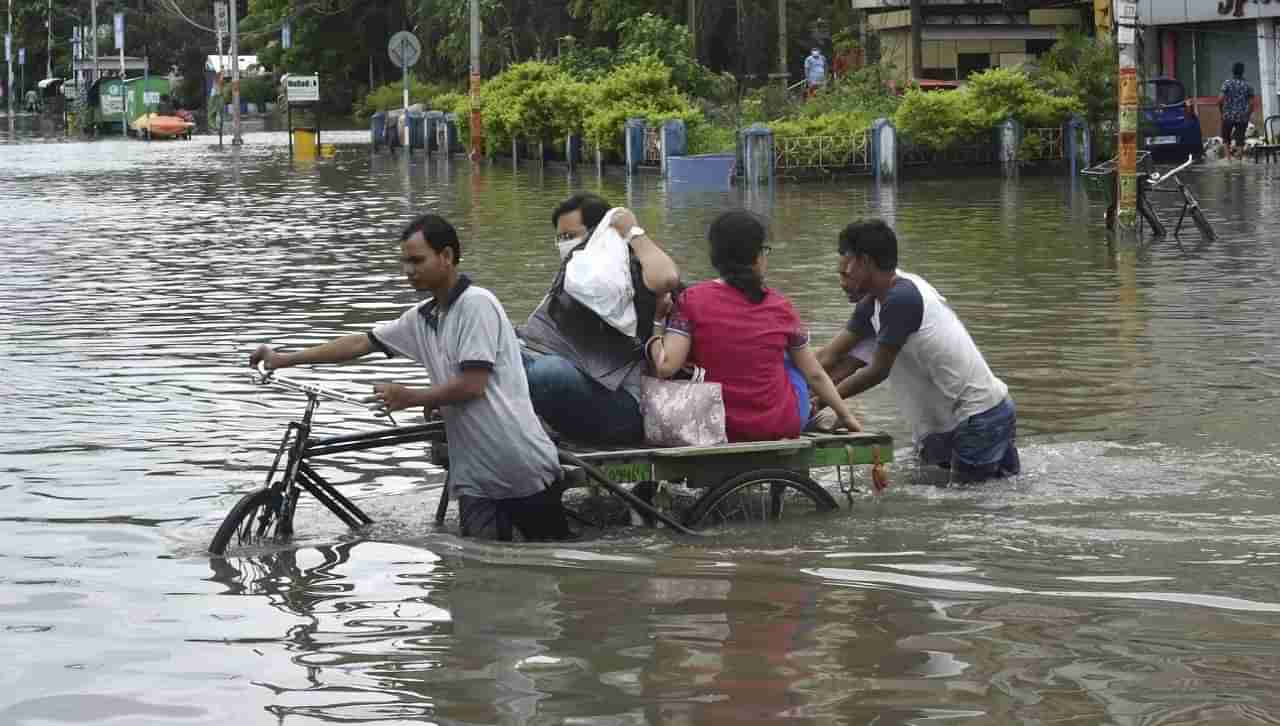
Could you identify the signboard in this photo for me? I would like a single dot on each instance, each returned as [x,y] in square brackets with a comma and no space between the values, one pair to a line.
[221,23]
[1168,12]
[405,49]
[119,26]
[113,98]
[22,56]
[286,35]
[151,98]
[1124,35]
[302,89]
[8,51]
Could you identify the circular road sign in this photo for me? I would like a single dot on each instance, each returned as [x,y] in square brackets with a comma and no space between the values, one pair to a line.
[405,49]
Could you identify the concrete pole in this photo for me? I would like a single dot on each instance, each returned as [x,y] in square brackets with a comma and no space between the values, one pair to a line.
[236,139]
[8,49]
[1267,67]
[93,20]
[693,29]
[917,44]
[48,24]
[782,42]
[477,149]
[1127,166]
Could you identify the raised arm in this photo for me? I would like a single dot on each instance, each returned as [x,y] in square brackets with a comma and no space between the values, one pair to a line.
[338,350]
[660,272]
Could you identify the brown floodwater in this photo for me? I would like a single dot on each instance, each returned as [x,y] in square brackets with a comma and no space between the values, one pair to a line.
[1129,576]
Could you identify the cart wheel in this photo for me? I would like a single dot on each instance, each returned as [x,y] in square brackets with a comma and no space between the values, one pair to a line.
[761,495]
[253,520]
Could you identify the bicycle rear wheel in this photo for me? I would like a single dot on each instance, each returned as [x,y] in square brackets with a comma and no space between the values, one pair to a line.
[1202,223]
[762,495]
[255,519]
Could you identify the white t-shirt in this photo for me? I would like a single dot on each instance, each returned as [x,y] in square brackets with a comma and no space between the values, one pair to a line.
[939,377]
[497,447]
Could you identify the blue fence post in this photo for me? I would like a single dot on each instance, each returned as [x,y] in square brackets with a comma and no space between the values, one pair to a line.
[757,154]
[633,133]
[675,141]
[573,149]
[884,150]
[450,132]
[434,121]
[1078,144]
[378,129]
[1009,136]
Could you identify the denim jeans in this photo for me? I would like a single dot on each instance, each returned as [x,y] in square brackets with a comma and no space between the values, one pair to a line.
[578,408]
[982,447]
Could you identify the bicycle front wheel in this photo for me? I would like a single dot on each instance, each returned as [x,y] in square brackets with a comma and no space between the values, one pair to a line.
[255,519]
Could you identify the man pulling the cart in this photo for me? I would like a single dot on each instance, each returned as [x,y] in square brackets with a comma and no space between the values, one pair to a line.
[502,465]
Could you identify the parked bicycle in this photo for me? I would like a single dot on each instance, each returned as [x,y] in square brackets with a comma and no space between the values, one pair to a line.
[1152,183]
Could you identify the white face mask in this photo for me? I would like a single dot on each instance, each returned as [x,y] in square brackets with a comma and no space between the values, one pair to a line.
[566,246]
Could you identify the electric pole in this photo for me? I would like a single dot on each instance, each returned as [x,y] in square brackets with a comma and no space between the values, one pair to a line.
[93,18]
[236,139]
[1127,167]
[48,52]
[782,42]
[8,57]
[476,135]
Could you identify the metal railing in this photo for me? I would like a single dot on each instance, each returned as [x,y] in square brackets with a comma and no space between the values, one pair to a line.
[979,153]
[652,145]
[1043,144]
[827,153]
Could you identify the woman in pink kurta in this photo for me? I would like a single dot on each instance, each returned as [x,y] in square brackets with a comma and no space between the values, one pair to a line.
[741,332]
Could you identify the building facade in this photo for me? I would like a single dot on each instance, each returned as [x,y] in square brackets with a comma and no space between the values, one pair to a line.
[960,37]
[1198,41]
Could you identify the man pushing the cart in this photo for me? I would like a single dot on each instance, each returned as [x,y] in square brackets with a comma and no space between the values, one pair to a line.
[502,465]
[961,415]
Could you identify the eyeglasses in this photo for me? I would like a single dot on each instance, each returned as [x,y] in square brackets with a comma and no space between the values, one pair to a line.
[566,236]
[765,250]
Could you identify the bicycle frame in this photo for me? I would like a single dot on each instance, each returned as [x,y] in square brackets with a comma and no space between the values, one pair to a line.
[298,474]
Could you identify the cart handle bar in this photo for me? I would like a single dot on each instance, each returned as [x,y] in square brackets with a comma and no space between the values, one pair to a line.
[262,376]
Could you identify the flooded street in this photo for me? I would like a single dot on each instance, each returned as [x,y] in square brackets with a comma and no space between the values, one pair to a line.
[1129,576]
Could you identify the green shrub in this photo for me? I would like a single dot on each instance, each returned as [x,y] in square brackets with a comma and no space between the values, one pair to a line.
[936,120]
[942,118]
[642,89]
[534,100]
[391,96]
[253,89]
[706,138]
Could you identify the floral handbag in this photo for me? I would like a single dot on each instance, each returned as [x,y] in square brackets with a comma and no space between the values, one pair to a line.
[682,413]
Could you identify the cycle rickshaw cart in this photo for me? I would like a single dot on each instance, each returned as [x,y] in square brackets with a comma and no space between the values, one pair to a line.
[757,481]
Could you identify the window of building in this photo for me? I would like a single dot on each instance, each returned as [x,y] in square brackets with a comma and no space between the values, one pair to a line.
[970,63]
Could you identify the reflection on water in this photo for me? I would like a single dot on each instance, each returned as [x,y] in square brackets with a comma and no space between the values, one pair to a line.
[1127,577]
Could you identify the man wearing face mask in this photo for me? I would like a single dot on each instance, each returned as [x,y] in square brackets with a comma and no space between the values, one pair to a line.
[584,375]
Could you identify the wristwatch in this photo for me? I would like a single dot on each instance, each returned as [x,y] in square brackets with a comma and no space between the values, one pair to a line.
[634,232]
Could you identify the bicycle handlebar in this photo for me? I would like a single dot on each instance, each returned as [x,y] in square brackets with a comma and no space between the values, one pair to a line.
[1157,179]
[262,376]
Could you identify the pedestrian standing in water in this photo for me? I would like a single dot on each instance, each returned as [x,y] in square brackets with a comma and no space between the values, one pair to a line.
[1236,105]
